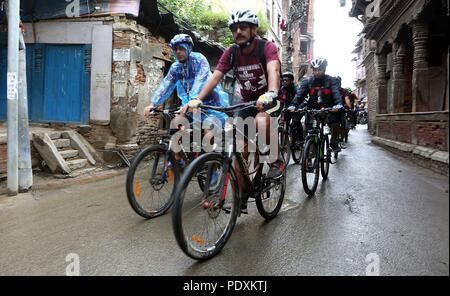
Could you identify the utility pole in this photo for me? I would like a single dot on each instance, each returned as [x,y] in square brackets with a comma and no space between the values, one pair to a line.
[12,96]
[25,168]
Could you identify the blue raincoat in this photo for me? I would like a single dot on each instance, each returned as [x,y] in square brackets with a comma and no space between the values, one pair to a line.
[189,79]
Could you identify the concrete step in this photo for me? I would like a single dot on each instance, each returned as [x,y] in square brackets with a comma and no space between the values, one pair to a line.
[68,153]
[54,135]
[77,164]
[62,143]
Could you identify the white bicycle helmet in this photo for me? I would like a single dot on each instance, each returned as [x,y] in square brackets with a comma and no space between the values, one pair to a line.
[319,63]
[243,16]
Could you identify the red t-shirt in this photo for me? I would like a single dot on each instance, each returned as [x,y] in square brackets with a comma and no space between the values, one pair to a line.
[251,74]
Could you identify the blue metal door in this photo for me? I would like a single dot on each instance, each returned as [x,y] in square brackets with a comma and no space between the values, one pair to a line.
[58,82]
[66,81]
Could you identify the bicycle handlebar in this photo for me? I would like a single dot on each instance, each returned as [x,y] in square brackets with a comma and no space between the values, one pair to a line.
[229,108]
[166,111]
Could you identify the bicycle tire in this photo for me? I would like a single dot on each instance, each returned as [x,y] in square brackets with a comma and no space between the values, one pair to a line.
[326,159]
[268,215]
[310,144]
[296,152]
[177,211]
[285,145]
[132,186]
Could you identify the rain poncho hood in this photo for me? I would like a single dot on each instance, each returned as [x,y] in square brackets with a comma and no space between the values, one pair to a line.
[189,78]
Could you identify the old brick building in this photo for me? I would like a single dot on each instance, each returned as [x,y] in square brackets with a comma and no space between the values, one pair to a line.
[406,61]
[120,51]
[301,33]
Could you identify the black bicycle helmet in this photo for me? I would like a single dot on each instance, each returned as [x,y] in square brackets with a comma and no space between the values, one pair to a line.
[288,74]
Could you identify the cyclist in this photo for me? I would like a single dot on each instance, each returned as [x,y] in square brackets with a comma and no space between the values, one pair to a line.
[287,93]
[323,91]
[188,75]
[350,99]
[256,65]
[288,88]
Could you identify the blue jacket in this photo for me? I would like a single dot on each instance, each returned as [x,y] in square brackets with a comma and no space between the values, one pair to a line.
[189,79]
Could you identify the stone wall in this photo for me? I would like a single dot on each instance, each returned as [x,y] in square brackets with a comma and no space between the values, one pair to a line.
[35,157]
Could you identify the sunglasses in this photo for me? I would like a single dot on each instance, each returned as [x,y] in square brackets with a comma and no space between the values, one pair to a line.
[242,27]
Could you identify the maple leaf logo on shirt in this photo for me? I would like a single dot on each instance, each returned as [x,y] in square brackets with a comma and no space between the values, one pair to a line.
[262,81]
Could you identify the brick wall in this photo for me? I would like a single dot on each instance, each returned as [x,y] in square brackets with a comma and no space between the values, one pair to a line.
[372,96]
[140,76]
[432,135]
[423,129]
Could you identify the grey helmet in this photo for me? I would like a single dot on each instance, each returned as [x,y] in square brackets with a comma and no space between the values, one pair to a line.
[319,63]
[243,16]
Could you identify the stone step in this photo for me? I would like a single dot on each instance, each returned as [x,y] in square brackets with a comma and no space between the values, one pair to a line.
[68,153]
[62,143]
[77,164]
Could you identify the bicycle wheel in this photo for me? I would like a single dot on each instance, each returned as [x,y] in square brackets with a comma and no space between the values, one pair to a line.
[325,158]
[296,147]
[285,145]
[204,220]
[310,167]
[151,181]
[271,196]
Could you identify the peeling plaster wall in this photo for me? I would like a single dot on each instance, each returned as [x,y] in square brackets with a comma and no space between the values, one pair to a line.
[138,68]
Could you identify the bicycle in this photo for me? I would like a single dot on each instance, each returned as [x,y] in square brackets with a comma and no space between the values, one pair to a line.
[203,221]
[347,125]
[317,151]
[155,171]
[296,145]
[284,137]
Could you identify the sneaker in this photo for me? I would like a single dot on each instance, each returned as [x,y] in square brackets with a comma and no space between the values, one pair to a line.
[181,164]
[335,148]
[275,170]
[244,210]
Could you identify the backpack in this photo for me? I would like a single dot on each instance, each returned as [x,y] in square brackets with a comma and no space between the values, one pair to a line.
[261,55]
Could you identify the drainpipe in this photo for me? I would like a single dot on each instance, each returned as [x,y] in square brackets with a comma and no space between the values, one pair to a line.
[12,95]
[25,170]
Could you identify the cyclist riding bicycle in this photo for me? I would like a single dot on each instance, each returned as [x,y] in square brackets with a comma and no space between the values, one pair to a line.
[323,92]
[287,94]
[188,75]
[256,65]
[288,88]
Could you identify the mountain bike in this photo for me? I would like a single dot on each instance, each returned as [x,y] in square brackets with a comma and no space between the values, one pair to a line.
[155,171]
[283,137]
[317,154]
[293,131]
[204,220]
